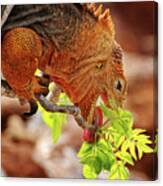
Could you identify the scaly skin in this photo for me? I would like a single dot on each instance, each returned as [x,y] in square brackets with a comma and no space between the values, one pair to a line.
[76,47]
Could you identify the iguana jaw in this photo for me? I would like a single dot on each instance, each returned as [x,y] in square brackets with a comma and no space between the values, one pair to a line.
[92,110]
[105,96]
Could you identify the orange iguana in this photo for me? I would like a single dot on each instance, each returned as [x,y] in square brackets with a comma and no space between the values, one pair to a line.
[72,43]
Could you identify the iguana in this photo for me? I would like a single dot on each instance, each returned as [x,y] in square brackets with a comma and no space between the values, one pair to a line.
[72,43]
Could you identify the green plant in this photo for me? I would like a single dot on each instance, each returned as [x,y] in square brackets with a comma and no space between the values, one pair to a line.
[156,142]
[117,145]
[55,120]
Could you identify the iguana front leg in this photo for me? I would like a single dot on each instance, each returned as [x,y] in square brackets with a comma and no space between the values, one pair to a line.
[42,84]
[21,53]
[7,91]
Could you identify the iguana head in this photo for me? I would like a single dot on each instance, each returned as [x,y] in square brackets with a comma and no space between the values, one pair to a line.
[93,66]
[104,78]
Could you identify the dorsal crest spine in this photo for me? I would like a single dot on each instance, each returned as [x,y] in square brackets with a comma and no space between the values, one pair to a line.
[103,17]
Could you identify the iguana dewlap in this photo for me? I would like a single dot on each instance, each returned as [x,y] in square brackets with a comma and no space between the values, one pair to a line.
[74,44]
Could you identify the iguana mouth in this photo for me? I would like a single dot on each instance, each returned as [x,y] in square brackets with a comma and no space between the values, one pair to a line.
[104,99]
[92,110]
[95,103]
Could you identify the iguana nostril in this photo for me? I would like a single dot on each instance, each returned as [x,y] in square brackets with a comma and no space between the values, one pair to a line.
[119,86]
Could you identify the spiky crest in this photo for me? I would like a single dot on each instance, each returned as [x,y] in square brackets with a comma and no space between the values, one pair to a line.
[103,17]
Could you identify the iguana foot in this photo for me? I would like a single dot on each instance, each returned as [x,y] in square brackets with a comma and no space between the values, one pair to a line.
[40,85]
[33,108]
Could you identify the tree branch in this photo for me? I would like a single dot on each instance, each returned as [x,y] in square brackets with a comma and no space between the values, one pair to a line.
[68,109]
[51,106]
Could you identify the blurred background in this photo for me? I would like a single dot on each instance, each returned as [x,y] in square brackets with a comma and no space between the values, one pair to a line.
[27,148]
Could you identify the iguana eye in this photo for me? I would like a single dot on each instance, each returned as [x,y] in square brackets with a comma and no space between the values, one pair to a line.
[99,66]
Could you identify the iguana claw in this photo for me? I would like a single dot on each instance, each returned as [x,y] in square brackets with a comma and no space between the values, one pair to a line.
[33,108]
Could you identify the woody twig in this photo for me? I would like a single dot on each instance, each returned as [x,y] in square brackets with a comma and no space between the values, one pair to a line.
[50,106]
[68,109]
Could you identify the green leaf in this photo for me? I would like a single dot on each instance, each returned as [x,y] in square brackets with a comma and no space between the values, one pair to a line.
[118,139]
[125,145]
[57,127]
[110,161]
[104,152]
[38,72]
[107,112]
[138,131]
[102,144]
[111,133]
[132,150]
[141,137]
[145,148]
[156,143]
[126,116]
[113,103]
[118,125]
[64,99]
[107,158]
[114,174]
[48,118]
[123,172]
[54,121]
[88,172]
[140,151]
[89,156]
[118,171]
[125,156]
[97,164]
[85,149]
[122,121]
[94,162]
[88,159]
[145,141]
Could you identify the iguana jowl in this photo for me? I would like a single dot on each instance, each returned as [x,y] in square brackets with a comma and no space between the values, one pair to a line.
[74,44]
